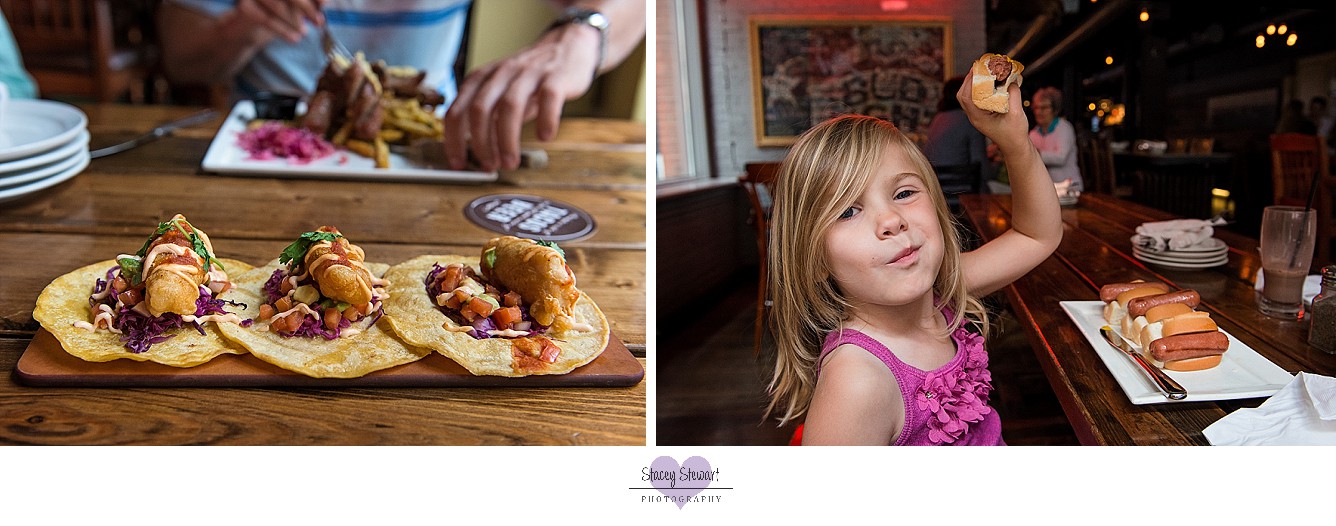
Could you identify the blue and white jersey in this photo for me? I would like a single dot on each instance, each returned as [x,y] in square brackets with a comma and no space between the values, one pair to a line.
[425,34]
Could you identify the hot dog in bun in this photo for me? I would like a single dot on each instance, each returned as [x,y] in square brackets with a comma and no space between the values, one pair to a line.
[993,76]
[1165,325]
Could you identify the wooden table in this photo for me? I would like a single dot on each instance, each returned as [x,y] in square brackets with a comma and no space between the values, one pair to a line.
[1095,250]
[596,165]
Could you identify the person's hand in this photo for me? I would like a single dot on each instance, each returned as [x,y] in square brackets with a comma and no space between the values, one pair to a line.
[496,100]
[286,19]
[1007,130]
[994,153]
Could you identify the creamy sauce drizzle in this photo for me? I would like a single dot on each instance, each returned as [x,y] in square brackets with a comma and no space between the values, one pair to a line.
[151,257]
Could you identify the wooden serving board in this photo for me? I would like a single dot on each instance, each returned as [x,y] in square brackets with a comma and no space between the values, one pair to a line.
[45,363]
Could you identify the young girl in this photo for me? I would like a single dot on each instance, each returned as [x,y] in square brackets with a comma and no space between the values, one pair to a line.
[872,292]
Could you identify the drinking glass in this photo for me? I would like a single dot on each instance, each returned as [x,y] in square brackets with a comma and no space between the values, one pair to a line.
[1288,237]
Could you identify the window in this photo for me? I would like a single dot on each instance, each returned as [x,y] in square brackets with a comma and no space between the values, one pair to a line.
[682,145]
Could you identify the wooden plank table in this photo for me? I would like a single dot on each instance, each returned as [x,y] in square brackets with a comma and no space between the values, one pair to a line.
[1096,249]
[597,165]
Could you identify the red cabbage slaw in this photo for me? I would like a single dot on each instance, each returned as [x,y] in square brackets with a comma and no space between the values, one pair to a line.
[273,139]
[140,330]
[482,324]
[311,326]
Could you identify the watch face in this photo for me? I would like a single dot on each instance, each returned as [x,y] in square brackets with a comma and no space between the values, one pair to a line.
[597,19]
[585,16]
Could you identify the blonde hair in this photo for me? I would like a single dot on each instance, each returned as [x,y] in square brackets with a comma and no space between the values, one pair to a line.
[825,171]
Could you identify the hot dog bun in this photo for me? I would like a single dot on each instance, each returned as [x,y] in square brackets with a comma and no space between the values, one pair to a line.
[1189,323]
[1187,342]
[1150,331]
[993,75]
[1116,310]
[1111,291]
[1194,364]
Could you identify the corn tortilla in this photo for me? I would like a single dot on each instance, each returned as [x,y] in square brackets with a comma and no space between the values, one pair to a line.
[65,301]
[414,317]
[373,349]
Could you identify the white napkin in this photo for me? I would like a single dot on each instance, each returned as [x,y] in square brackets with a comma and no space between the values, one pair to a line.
[1312,286]
[1063,187]
[1303,413]
[1176,234]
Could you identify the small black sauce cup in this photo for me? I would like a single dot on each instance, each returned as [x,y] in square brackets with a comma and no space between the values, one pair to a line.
[272,106]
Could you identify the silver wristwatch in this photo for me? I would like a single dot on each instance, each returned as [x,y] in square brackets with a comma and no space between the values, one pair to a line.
[591,18]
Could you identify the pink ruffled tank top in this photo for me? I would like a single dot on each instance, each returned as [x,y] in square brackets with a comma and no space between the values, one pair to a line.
[945,406]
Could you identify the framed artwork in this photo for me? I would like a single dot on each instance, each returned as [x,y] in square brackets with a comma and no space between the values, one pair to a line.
[805,70]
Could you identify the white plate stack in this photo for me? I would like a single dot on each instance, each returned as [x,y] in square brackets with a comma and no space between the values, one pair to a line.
[42,143]
[1208,253]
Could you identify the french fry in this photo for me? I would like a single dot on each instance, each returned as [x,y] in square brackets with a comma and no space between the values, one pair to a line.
[391,134]
[382,154]
[415,128]
[363,148]
[340,137]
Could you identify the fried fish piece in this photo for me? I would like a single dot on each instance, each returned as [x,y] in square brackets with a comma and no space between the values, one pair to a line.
[538,273]
[172,270]
[339,268]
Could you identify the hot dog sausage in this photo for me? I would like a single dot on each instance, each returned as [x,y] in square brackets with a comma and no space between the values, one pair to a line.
[1184,346]
[1139,306]
[1111,291]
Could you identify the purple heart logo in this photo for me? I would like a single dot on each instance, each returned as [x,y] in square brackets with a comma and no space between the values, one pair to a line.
[675,481]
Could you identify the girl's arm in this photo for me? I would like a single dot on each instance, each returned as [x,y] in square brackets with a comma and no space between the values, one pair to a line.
[1036,220]
[856,402]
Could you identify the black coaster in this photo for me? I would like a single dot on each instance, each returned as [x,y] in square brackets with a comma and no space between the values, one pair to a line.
[530,216]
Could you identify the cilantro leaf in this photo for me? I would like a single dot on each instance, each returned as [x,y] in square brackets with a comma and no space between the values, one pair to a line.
[553,245]
[303,243]
[203,251]
[197,243]
[162,229]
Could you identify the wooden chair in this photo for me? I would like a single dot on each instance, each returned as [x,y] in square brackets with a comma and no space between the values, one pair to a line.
[69,48]
[1096,160]
[759,182]
[1295,160]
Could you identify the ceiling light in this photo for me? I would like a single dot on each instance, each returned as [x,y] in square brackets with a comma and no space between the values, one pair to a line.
[1145,14]
[1271,29]
[1261,41]
[1108,60]
[1290,41]
[1282,29]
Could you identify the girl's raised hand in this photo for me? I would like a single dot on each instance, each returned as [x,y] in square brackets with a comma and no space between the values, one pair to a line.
[1005,129]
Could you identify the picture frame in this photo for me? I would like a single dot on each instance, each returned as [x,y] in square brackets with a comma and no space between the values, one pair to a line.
[807,69]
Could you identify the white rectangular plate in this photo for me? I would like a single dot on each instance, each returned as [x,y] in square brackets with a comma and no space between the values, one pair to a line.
[1242,372]
[224,156]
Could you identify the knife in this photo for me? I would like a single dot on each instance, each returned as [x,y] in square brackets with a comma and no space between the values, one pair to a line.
[1171,389]
[157,133]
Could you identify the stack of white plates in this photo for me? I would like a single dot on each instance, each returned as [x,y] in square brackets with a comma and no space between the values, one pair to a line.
[42,143]
[1209,253]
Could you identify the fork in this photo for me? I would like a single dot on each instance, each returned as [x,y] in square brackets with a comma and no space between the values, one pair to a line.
[333,48]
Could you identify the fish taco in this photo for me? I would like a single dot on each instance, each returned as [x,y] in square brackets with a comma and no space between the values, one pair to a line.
[319,310]
[161,304]
[514,311]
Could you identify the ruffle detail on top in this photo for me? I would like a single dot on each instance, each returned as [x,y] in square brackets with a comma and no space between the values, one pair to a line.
[957,397]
